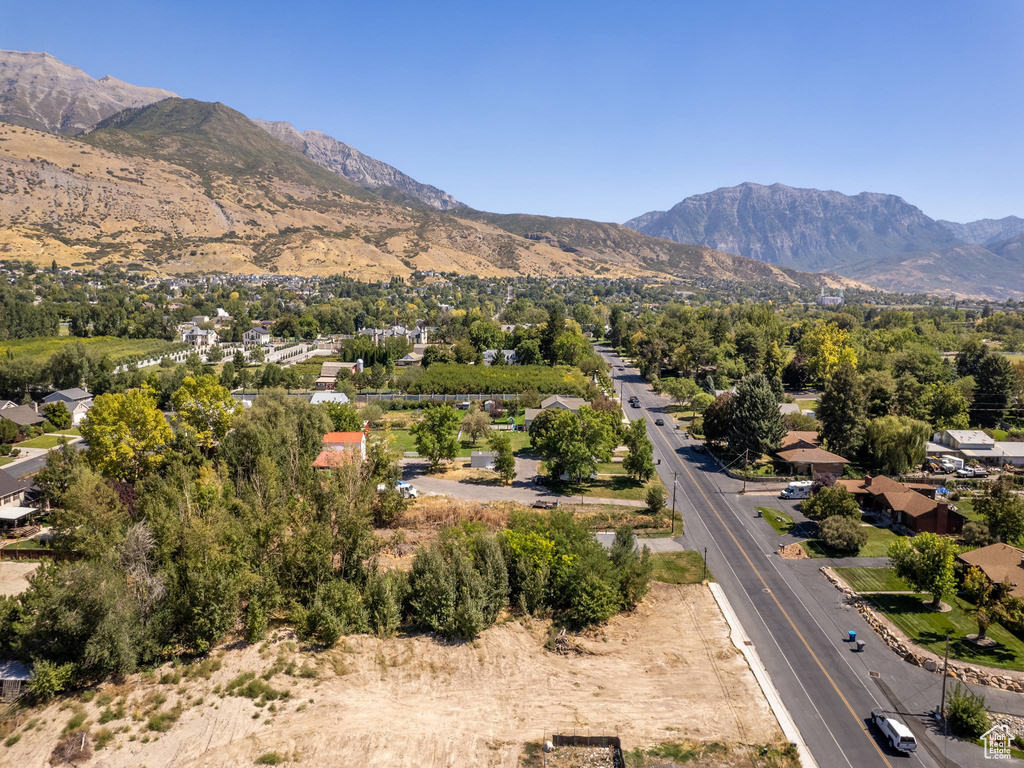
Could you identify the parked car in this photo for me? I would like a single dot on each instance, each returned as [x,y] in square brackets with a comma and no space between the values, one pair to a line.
[659,422]
[545,504]
[965,472]
[895,731]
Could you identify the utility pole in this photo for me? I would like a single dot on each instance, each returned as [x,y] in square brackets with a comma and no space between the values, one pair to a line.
[705,578]
[674,484]
[746,463]
[942,706]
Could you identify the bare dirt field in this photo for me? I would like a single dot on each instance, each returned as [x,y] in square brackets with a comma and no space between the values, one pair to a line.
[666,673]
[14,576]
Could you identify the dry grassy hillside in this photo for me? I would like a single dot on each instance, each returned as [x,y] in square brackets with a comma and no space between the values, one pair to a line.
[65,200]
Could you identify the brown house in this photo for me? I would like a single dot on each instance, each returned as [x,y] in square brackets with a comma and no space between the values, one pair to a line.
[805,456]
[910,505]
[1001,563]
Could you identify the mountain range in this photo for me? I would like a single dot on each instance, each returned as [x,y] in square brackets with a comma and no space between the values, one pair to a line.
[880,239]
[102,171]
[177,185]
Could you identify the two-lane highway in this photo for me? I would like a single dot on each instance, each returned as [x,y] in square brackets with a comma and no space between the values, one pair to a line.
[827,690]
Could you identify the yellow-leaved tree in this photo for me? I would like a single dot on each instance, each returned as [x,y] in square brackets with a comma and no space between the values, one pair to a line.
[126,433]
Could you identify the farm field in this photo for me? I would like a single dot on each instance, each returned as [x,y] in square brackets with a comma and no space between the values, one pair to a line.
[411,700]
[41,348]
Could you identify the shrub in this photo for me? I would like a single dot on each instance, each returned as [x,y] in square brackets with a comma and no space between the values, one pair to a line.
[831,501]
[384,596]
[843,534]
[966,713]
[48,680]
[269,758]
[655,501]
[976,534]
[162,721]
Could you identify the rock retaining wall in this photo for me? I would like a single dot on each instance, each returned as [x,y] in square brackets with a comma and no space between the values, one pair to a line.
[901,645]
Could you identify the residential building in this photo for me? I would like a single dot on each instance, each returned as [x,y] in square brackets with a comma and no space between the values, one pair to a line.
[354,442]
[1001,563]
[200,338]
[23,415]
[77,400]
[490,355]
[12,498]
[256,336]
[328,397]
[413,358]
[555,402]
[909,505]
[805,456]
[975,445]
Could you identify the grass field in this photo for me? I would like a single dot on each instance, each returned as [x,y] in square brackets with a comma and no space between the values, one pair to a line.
[777,519]
[48,441]
[873,580]
[965,506]
[612,487]
[928,628]
[41,348]
[6,460]
[679,567]
[877,545]
[406,441]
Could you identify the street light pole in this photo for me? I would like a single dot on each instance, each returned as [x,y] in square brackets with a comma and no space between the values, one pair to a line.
[942,705]
[705,578]
[675,482]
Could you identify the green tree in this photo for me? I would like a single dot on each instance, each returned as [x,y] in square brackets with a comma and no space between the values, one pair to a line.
[655,501]
[633,567]
[344,417]
[681,390]
[831,501]
[57,414]
[841,412]
[947,407]
[528,353]
[1003,510]
[204,410]
[756,424]
[437,353]
[842,533]
[476,424]
[574,443]
[639,462]
[8,431]
[894,444]
[504,458]
[436,434]
[926,562]
[126,434]
[718,418]
[988,598]
[995,385]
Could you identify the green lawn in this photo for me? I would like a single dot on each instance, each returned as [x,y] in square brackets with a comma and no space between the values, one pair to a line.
[48,441]
[611,468]
[873,580]
[614,487]
[877,545]
[777,519]
[678,567]
[965,506]
[6,460]
[807,405]
[27,544]
[406,441]
[928,628]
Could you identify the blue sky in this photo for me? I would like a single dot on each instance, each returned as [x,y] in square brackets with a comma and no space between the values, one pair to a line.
[599,109]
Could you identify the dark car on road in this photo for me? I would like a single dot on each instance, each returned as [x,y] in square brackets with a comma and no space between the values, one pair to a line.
[635,404]
[659,422]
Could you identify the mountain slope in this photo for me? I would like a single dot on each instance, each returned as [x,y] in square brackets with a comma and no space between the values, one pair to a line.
[349,162]
[985,231]
[184,186]
[42,92]
[798,228]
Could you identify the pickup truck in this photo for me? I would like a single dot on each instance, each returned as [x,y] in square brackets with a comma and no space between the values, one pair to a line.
[894,729]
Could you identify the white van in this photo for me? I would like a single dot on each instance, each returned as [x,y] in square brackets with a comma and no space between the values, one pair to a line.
[407,490]
[895,730]
[801,489]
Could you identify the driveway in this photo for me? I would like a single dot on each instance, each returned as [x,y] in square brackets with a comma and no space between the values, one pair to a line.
[522,489]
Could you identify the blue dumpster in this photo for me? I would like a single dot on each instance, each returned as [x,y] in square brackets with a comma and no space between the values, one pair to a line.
[853,637]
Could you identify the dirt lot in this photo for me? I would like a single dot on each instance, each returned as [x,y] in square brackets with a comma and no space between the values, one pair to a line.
[14,576]
[665,673]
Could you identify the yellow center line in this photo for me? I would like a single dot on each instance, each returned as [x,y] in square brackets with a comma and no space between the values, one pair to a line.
[799,634]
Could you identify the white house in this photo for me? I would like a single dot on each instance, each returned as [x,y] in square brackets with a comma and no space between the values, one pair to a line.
[200,338]
[555,402]
[256,336]
[490,355]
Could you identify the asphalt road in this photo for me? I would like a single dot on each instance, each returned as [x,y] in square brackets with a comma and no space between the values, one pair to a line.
[828,689]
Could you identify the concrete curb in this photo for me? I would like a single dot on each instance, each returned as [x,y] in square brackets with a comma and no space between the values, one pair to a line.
[742,642]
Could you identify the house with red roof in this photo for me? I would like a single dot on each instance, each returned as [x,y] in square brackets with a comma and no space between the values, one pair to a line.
[910,505]
[338,448]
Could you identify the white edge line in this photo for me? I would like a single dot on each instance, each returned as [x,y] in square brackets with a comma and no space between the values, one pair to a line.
[739,639]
